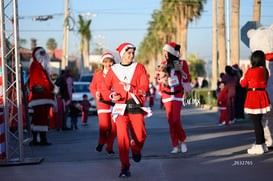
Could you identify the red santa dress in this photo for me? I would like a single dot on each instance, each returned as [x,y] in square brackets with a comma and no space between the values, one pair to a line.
[257,101]
[107,127]
[133,96]
[41,96]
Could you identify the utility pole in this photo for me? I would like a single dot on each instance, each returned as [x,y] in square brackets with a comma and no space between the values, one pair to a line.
[257,11]
[65,36]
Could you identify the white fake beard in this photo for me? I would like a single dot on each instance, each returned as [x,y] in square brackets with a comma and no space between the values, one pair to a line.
[44,61]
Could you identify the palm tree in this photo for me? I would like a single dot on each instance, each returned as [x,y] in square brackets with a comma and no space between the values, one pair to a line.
[235,46]
[214,73]
[85,36]
[222,36]
[51,44]
[183,12]
[257,10]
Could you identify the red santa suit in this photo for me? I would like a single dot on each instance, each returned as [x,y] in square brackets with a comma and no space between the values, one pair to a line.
[41,96]
[133,95]
[107,127]
[172,97]
[222,105]
[172,93]
[257,101]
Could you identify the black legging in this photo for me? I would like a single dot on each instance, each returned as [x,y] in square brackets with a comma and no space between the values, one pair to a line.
[259,131]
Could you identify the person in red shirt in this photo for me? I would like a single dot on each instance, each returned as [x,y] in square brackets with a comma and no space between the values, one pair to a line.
[107,127]
[172,75]
[257,101]
[222,104]
[130,83]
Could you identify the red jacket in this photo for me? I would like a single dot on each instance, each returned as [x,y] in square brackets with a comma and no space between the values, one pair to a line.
[136,77]
[96,85]
[175,93]
[257,102]
[41,86]
[222,99]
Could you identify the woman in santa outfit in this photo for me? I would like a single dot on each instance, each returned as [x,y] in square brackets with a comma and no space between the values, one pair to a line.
[257,102]
[107,127]
[172,74]
[41,96]
[130,84]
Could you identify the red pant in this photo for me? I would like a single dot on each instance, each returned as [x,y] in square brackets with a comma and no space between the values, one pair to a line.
[108,130]
[224,116]
[177,132]
[40,117]
[136,124]
[84,116]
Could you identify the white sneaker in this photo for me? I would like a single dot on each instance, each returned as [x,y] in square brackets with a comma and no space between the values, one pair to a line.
[175,150]
[265,148]
[232,121]
[256,150]
[184,148]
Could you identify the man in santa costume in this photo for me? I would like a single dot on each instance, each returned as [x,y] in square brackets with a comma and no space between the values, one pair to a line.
[130,83]
[41,96]
[173,76]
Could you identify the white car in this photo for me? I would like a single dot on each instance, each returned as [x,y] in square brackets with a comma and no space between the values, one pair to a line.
[81,88]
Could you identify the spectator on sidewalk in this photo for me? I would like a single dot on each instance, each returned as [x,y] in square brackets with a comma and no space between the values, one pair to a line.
[257,101]
[222,105]
[74,113]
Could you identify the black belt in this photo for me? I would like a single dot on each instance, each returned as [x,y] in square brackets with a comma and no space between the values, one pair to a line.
[133,106]
[172,93]
[107,102]
[256,89]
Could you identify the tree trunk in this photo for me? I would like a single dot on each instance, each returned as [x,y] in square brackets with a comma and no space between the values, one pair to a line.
[257,10]
[214,73]
[183,40]
[235,46]
[222,36]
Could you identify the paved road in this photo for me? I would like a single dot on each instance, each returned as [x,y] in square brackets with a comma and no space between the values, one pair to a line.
[214,153]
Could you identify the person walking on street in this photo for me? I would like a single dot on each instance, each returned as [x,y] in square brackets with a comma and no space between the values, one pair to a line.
[85,105]
[172,74]
[74,113]
[257,101]
[107,127]
[41,96]
[130,83]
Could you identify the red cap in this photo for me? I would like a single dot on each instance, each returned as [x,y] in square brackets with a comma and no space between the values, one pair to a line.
[123,47]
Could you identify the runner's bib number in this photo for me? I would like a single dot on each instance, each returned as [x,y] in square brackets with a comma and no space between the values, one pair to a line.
[173,81]
[119,109]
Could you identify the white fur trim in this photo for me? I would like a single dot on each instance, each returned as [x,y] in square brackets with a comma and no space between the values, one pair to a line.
[121,53]
[171,50]
[39,128]
[104,111]
[257,111]
[41,102]
[107,56]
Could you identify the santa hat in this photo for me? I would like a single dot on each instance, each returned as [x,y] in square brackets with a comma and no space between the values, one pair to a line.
[235,67]
[123,47]
[173,49]
[107,55]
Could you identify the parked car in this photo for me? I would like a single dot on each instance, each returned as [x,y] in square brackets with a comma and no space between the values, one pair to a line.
[81,88]
[86,77]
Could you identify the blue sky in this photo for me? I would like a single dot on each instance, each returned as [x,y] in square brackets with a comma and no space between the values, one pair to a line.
[119,21]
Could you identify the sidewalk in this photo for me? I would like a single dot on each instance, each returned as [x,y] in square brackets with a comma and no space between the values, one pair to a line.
[214,153]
